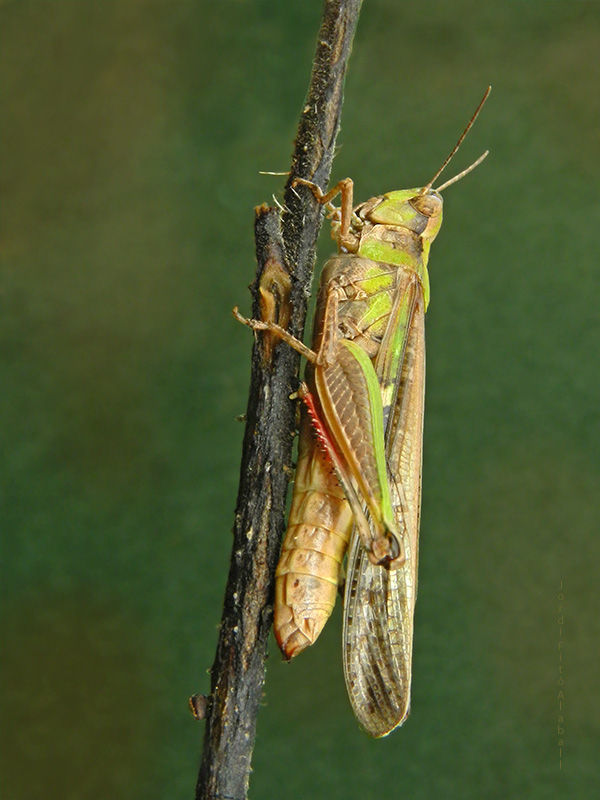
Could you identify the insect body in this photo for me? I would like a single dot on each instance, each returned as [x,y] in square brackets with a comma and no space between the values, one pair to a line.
[358,479]
[380,293]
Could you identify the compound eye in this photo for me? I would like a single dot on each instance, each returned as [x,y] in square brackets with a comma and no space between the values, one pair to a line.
[428,204]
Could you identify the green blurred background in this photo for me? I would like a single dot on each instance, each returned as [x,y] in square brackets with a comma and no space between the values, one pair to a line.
[134,134]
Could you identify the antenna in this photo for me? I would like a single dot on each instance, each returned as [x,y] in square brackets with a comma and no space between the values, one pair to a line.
[462,174]
[425,189]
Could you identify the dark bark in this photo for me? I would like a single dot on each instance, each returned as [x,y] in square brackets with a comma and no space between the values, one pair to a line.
[285,247]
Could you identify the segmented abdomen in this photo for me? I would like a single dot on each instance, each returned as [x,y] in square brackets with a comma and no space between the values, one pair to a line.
[308,573]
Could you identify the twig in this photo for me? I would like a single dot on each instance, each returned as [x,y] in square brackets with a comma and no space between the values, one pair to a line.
[285,246]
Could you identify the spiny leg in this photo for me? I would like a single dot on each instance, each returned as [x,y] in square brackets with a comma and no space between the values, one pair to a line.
[345,187]
[331,336]
[277,330]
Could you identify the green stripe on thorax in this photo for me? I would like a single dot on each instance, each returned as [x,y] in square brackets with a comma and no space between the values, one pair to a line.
[398,229]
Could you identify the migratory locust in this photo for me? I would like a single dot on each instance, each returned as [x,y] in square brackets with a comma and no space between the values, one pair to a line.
[358,480]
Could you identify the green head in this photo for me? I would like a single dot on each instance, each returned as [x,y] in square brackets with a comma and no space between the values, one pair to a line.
[418,210]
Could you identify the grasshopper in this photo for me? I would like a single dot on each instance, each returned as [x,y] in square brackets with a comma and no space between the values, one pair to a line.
[358,478]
